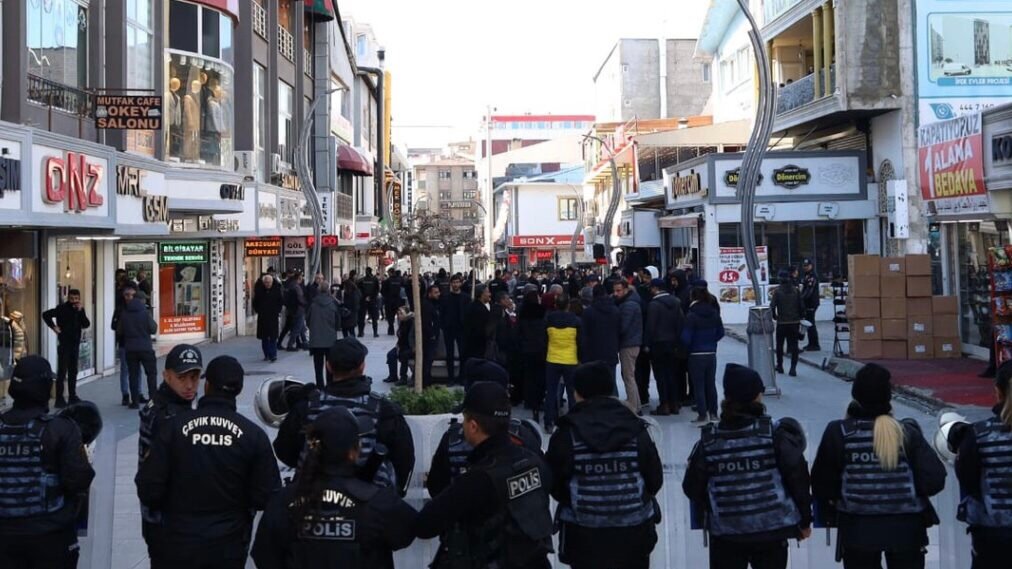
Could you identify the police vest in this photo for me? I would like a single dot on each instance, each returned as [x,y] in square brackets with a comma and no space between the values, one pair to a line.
[607,488]
[372,463]
[332,530]
[26,489]
[745,488]
[458,449]
[867,488]
[994,506]
[149,414]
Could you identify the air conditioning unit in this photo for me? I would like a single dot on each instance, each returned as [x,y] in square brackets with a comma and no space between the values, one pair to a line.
[246,163]
[277,164]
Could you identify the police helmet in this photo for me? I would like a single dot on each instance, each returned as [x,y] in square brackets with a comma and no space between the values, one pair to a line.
[275,398]
[947,422]
[87,417]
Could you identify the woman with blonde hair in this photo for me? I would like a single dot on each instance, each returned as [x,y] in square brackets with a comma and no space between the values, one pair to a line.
[874,475]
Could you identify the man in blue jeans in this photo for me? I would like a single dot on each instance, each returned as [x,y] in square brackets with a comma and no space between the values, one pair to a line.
[703,329]
[124,294]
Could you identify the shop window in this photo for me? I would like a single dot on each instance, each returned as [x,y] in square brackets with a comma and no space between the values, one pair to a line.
[20,314]
[182,306]
[788,244]
[972,243]
[58,41]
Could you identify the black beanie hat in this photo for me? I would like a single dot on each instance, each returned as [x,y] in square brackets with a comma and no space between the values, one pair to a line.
[873,390]
[31,380]
[742,384]
[594,379]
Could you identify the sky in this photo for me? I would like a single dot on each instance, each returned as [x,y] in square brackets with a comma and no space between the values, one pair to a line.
[451,59]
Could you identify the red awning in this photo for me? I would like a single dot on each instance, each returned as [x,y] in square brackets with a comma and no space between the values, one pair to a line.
[353,161]
[229,7]
[320,10]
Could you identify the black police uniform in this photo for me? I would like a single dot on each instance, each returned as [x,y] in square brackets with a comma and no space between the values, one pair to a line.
[208,471]
[44,470]
[369,285]
[985,482]
[450,459]
[392,300]
[496,514]
[811,298]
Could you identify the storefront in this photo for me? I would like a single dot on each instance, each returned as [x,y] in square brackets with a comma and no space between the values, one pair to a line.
[546,252]
[640,238]
[809,205]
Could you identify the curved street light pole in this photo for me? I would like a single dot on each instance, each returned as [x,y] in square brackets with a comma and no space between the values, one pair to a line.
[307,183]
[616,195]
[474,266]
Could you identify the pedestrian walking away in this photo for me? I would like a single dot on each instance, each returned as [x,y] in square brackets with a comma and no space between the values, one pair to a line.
[136,326]
[630,339]
[430,330]
[68,319]
[601,330]
[787,309]
[267,305]
[533,348]
[370,288]
[811,298]
[478,326]
[324,321]
[295,314]
[750,514]
[351,299]
[664,337]
[703,329]
[873,477]
[607,517]
[561,359]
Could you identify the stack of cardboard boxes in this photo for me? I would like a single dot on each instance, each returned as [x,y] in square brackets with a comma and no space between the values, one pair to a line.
[892,313]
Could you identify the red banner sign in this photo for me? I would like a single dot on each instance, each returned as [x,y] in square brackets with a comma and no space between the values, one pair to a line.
[74,181]
[326,241]
[950,158]
[544,240]
[513,259]
[544,255]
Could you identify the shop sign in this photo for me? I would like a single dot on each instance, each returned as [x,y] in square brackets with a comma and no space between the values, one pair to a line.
[686,185]
[731,178]
[326,241]
[10,175]
[345,232]
[268,247]
[288,213]
[395,204]
[544,240]
[232,192]
[288,181]
[461,205]
[950,158]
[128,112]
[1001,150]
[326,201]
[182,252]
[295,246]
[154,209]
[791,176]
[267,211]
[544,255]
[376,252]
[513,259]
[203,223]
[181,325]
[72,181]
[732,269]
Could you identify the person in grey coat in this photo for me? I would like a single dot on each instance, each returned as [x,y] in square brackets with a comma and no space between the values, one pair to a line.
[787,308]
[324,317]
[630,338]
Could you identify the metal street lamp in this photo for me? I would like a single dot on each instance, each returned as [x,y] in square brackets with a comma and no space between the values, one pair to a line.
[616,195]
[307,183]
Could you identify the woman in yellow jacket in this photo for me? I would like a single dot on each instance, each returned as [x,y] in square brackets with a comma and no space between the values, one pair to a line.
[563,356]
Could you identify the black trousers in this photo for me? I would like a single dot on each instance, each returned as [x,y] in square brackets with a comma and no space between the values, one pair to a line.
[134,362]
[66,369]
[390,312]
[643,376]
[909,559]
[452,342]
[200,556]
[323,375]
[428,356]
[732,555]
[287,327]
[989,553]
[534,380]
[787,333]
[813,332]
[682,385]
[663,361]
[372,308]
[58,550]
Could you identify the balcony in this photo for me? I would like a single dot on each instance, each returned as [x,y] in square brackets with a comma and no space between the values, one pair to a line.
[307,62]
[260,21]
[773,9]
[286,44]
[58,96]
[802,92]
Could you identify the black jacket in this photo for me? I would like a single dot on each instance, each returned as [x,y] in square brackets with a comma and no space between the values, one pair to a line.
[164,405]
[62,454]
[604,424]
[430,320]
[600,332]
[810,290]
[664,321]
[351,300]
[135,326]
[452,308]
[70,321]
[439,472]
[391,291]
[384,524]
[267,303]
[208,471]
[533,332]
[789,447]
[295,298]
[391,429]
[968,471]
[369,285]
[786,305]
[478,328]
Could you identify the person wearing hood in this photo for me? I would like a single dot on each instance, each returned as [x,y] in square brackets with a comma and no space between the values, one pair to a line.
[788,309]
[679,287]
[664,337]
[703,329]
[533,347]
[136,325]
[601,329]
[878,475]
[751,511]
[324,321]
[607,520]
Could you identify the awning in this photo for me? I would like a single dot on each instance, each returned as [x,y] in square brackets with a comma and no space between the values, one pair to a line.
[731,133]
[352,161]
[676,221]
[320,10]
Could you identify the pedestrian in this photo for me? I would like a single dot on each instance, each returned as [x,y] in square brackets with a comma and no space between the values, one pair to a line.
[324,318]
[318,285]
[267,305]
[496,284]
[533,350]
[564,337]
[983,471]
[124,370]
[391,290]
[497,513]
[351,299]
[328,517]
[679,288]
[750,512]
[877,474]
[370,288]
[601,331]
[144,284]
[430,331]
[641,293]
[478,325]
[388,435]
[451,311]
[630,339]
[663,336]
[295,314]
[703,329]
[208,472]
[43,481]
[787,308]
[607,516]
[811,298]
[68,319]
[136,325]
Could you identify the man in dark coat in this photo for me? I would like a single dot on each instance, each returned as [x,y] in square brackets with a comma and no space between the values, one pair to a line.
[135,326]
[477,324]
[267,304]
[67,320]
[663,338]
[391,292]
[430,330]
[452,307]
[601,329]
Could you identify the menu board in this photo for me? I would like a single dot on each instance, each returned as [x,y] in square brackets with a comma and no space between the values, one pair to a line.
[733,271]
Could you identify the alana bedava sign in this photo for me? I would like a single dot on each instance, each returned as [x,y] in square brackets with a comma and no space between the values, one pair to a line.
[128,112]
[950,158]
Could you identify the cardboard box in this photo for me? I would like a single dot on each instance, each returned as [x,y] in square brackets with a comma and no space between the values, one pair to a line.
[920,348]
[918,327]
[894,350]
[893,308]
[944,325]
[863,265]
[866,286]
[866,329]
[893,286]
[944,305]
[919,265]
[918,287]
[866,349]
[948,347]
[894,329]
[918,307]
[858,308]
[893,266]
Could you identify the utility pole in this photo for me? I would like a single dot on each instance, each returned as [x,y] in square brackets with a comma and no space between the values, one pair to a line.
[616,195]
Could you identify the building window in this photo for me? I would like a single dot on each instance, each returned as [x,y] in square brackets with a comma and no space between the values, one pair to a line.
[58,41]
[567,209]
[735,69]
[361,45]
[285,11]
[470,175]
[286,123]
[445,195]
[470,194]
[141,70]
[260,119]
[421,184]
[444,174]
[706,72]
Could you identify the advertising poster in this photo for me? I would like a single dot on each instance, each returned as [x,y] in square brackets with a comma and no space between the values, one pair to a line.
[181,325]
[734,272]
[950,158]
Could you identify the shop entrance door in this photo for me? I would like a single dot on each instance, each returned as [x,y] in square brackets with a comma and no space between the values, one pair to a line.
[147,267]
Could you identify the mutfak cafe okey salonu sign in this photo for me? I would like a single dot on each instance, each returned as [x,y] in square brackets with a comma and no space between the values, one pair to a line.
[128,112]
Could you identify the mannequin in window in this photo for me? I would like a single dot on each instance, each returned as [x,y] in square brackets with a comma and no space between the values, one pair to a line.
[191,122]
[215,124]
[174,116]
[208,135]
[19,336]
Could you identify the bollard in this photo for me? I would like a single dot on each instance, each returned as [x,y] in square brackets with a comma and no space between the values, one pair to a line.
[760,347]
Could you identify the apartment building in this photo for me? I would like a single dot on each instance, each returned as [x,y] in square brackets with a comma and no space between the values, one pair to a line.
[449,186]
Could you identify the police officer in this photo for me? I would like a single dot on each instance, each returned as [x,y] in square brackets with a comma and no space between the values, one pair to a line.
[330,518]
[450,459]
[606,472]
[207,472]
[369,285]
[391,291]
[43,472]
[984,472]
[877,473]
[388,452]
[496,514]
[749,474]
[811,299]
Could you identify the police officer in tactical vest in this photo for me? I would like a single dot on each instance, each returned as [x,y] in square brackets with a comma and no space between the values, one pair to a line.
[877,474]
[330,518]
[496,514]
[370,287]
[208,471]
[43,471]
[606,472]
[749,475]
[985,477]
[450,458]
[388,451]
